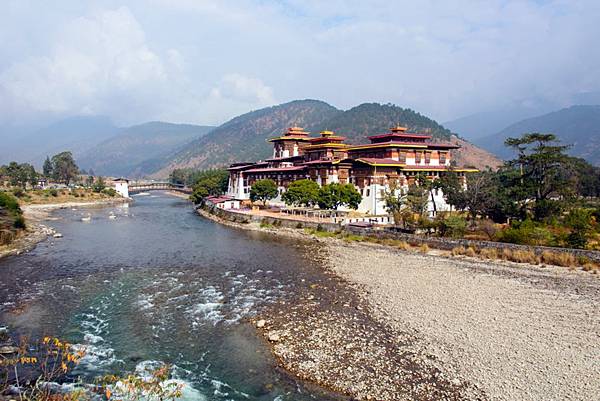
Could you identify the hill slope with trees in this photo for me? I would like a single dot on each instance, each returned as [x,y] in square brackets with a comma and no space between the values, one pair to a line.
[129,152]
[244,138]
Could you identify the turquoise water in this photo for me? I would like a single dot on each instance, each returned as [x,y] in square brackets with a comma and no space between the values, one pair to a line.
[159,284]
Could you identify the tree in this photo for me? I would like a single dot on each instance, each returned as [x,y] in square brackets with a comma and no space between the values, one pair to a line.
[47,169]
[20,174]
[200,192]
[63,167]
[543,167]
[179,176]
[99,185]
[302,193]
[395,202]
[263,190]
[204,183]
[89,180]
[417,198]
[334,195]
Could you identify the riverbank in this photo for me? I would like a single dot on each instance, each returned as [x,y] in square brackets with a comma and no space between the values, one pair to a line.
[37,231]
[439,327]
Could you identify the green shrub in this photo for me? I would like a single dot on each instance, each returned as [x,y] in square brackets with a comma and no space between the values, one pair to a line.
[10,209]
[452,226]
[8,202]
[110,192]
[19,222]
[527,233]
[53,192]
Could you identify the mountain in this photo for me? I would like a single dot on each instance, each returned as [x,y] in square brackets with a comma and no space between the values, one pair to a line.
[244,137]
[578,126]
[370,118]
[480,125]
[76,134]
[130,153]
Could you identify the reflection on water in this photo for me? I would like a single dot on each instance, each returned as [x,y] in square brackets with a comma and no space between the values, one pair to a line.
[156,283]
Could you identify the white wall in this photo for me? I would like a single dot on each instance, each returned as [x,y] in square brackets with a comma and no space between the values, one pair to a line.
[122,188]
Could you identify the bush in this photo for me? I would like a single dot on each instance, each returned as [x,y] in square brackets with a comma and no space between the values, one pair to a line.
[18,192]
[527,233]
[451,226]
[577,239]
[53,192]
[19,222]
[110,192]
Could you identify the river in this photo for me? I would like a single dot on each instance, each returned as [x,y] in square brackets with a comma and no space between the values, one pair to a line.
[158,283]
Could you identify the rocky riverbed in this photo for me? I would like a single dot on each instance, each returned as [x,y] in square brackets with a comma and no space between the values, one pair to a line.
[515,332]
[393,324]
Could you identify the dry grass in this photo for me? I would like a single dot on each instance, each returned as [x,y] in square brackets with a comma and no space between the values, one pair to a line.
[488,253]
[471,252]
[424,248]
[459,250]
[506,254]
[404,246]
[524,256]
[559,259]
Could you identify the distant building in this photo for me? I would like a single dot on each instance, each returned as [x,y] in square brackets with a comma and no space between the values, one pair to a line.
[42,183]
[122,186]
[393,158]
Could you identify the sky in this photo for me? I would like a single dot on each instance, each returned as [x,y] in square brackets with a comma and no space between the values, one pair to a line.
[204,62]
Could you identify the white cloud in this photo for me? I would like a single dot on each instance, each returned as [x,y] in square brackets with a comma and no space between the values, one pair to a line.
[206,61]
[245,89]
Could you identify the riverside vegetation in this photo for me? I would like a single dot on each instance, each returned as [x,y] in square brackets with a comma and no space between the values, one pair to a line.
[36,372]
[19,187]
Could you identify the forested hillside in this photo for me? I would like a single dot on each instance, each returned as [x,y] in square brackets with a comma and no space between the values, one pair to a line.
[130,153]
[245,137]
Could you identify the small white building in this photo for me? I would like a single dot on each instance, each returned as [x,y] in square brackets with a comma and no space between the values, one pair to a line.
[122,187]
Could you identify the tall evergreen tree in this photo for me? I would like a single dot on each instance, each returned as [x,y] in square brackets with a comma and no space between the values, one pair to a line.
[47,169]
[64,167]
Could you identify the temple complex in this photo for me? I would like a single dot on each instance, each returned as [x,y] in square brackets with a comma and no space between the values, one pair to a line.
[391,159]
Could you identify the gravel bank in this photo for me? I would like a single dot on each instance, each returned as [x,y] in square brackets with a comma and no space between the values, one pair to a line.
[37,231]
[514,332]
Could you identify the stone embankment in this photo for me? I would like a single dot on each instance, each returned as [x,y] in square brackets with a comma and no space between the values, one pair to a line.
[433,242]
[395,324]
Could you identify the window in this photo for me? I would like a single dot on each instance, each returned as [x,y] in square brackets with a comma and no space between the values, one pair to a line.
[442,157]
[427,157]
[417,157]
[402,158]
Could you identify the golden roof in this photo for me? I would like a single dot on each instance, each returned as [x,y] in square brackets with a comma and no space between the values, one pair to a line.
[398,128]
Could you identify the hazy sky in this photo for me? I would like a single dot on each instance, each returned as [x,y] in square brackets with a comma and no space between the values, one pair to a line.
[206,61]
